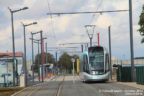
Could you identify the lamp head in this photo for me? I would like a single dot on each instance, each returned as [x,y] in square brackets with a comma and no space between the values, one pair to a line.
[24,8]
[34,22]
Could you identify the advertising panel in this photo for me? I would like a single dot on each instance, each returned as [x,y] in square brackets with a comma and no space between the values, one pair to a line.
[6,72]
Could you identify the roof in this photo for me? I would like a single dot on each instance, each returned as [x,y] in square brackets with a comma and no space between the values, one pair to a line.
[17,54]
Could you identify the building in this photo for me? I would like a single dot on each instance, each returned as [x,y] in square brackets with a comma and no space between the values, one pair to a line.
[19,58]
[138,61]
[6,68]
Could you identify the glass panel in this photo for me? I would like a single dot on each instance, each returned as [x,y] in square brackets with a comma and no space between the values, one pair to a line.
[96,59]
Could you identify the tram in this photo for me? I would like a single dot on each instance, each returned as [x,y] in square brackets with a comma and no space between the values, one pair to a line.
[94,64]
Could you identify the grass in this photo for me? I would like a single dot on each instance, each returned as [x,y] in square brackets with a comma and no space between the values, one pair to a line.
[9,91]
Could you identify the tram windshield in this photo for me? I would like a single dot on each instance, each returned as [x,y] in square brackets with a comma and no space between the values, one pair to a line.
[96,58]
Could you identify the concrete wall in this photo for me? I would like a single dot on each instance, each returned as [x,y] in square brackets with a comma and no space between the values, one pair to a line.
[136,61]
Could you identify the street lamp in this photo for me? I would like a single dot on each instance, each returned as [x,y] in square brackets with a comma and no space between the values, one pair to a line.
[131,40]
[25,63]
[13,43]
[110,52]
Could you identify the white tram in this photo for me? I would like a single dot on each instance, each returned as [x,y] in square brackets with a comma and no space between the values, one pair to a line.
[94,64]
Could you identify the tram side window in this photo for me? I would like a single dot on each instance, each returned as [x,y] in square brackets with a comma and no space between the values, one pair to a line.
[107,63]
[85,66]
[81,64]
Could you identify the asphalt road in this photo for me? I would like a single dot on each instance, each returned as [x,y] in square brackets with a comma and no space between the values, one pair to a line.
[63,86]
[99,89]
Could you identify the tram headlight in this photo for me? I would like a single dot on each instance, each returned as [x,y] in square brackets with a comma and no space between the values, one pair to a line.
[93,72]
[100,72]
[96,72]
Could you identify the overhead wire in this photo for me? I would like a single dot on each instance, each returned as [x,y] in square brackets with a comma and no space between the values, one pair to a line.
[52,24]
[94,15]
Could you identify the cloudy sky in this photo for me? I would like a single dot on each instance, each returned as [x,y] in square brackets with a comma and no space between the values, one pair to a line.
[70,28]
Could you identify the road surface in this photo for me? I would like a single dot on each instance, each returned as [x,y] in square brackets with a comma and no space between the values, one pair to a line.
[64,86]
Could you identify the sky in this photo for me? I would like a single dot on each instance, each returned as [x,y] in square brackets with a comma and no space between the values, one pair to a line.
[70,28]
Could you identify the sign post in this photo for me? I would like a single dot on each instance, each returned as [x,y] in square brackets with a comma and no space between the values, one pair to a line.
[73,60]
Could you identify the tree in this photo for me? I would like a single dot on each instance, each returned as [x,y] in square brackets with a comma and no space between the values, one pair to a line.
[50,59]
[141,23]
[65,62]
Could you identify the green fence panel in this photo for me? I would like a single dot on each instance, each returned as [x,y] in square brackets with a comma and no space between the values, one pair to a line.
[118,71]
[137,75]
[126,74]
[140,75]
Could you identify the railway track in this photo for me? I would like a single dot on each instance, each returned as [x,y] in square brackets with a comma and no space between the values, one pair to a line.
[32,91]
[60,87]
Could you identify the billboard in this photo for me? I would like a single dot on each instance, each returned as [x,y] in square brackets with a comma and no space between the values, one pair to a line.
[6,71]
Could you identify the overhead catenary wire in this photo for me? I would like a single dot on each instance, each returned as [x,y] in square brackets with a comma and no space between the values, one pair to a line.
[86,12]
[93,16]
[52,24]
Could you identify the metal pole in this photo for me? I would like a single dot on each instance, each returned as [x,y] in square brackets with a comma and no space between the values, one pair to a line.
[13,43]
[46,51]
[41,54]
[56,62]
[38,62]
[82,48]
[131,40]
[109,28]
[46,58]
[73,74]
[7,74]
[90,42]
[98,39]
[25,63]
[32,59]
[17,73]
